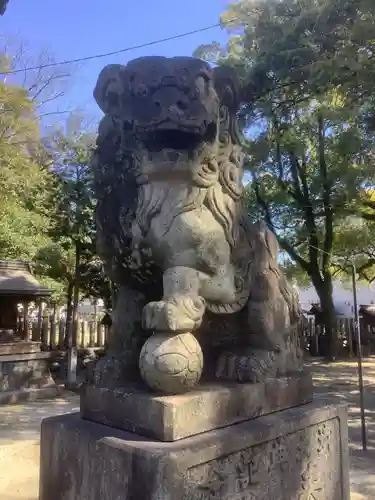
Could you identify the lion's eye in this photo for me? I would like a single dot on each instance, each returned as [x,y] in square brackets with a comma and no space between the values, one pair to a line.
[142,90]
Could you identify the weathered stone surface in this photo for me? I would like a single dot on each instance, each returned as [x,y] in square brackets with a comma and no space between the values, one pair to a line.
[25,395]
[170,418]
[172,229]
[25,377]
[171,363]
[23,347]
[295,454]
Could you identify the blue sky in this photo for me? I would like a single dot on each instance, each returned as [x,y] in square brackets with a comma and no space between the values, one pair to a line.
[78,28]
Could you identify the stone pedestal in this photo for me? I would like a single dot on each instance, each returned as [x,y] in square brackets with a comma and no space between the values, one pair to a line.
[264,441]
[210,406]
[295,454]
[24,373]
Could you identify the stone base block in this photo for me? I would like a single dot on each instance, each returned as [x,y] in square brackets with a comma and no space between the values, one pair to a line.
[169,418]
[20,347]
[295,454]
[25,376]
[24,395]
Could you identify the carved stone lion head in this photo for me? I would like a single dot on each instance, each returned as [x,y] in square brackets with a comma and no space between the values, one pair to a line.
[170,103]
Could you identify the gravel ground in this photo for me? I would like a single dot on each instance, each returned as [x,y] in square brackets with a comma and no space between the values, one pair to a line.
[20,430]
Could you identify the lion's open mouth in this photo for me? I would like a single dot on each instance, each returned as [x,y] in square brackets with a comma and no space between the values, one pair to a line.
[178,139]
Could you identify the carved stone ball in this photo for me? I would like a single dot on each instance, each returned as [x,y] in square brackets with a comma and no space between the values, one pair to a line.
[171,363]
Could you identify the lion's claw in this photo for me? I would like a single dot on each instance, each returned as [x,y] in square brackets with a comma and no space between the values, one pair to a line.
[178,315]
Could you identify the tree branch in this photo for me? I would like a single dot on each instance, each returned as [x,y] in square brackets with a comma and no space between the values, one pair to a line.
[283,243]
[328,237]
[261,202]
[366,265]
[294,255]
[299,175]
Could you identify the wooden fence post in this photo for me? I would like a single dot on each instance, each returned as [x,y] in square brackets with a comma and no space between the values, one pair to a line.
[53,329]
[35,332]
[80,334]
[44,333]
[72,351]
[62,325]
[92,333]
[316,338]
[349,329]
[101,335]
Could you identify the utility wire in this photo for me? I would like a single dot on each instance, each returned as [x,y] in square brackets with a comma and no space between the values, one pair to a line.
[120,51]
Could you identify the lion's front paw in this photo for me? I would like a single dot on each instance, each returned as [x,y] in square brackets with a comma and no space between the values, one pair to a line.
[178,314]
[252,366]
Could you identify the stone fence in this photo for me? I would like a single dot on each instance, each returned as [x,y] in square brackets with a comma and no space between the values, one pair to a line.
[53,335]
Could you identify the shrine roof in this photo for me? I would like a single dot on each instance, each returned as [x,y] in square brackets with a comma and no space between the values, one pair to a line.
[16,279]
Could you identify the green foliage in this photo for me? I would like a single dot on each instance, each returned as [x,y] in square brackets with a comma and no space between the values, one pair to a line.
[24,178]
[307,178]
[73,220]
[94,282]
[295,274]
[72,228]
[46,203]
[301,47]
[307,75]
[71,259]
[355,243]
[54,265]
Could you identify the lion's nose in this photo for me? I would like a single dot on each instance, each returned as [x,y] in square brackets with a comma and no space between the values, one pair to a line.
[177,109]
[174,110]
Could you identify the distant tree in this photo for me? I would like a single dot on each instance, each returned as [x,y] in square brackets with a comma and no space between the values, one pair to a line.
[295,274]
[71,258]
[24,177]
[307,75]
[306,179]
[35,71]
[72,230]
[94,282]
[355,242]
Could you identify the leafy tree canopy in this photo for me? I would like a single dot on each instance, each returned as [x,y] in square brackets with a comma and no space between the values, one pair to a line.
[24,178]
[307,72]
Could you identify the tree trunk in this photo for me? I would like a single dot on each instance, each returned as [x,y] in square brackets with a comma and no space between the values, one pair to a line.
[72,331]
[324,291]
[69,312]
[113,296]
[76,283]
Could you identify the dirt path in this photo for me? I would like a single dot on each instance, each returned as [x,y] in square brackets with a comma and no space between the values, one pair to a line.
[338,382]
[20,430]
[19,444]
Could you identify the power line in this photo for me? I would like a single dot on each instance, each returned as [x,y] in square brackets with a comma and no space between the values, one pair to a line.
[120,51]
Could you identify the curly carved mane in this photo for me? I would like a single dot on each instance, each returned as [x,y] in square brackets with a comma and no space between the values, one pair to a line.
[216,173]
[213,180]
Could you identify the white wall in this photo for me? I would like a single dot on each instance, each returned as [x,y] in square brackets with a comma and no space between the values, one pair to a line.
[342,297]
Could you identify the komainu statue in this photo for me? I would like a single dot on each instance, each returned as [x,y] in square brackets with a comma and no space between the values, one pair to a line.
[186,261]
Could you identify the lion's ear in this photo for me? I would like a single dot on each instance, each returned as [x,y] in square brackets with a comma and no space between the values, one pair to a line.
[227,87]
[110,87]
